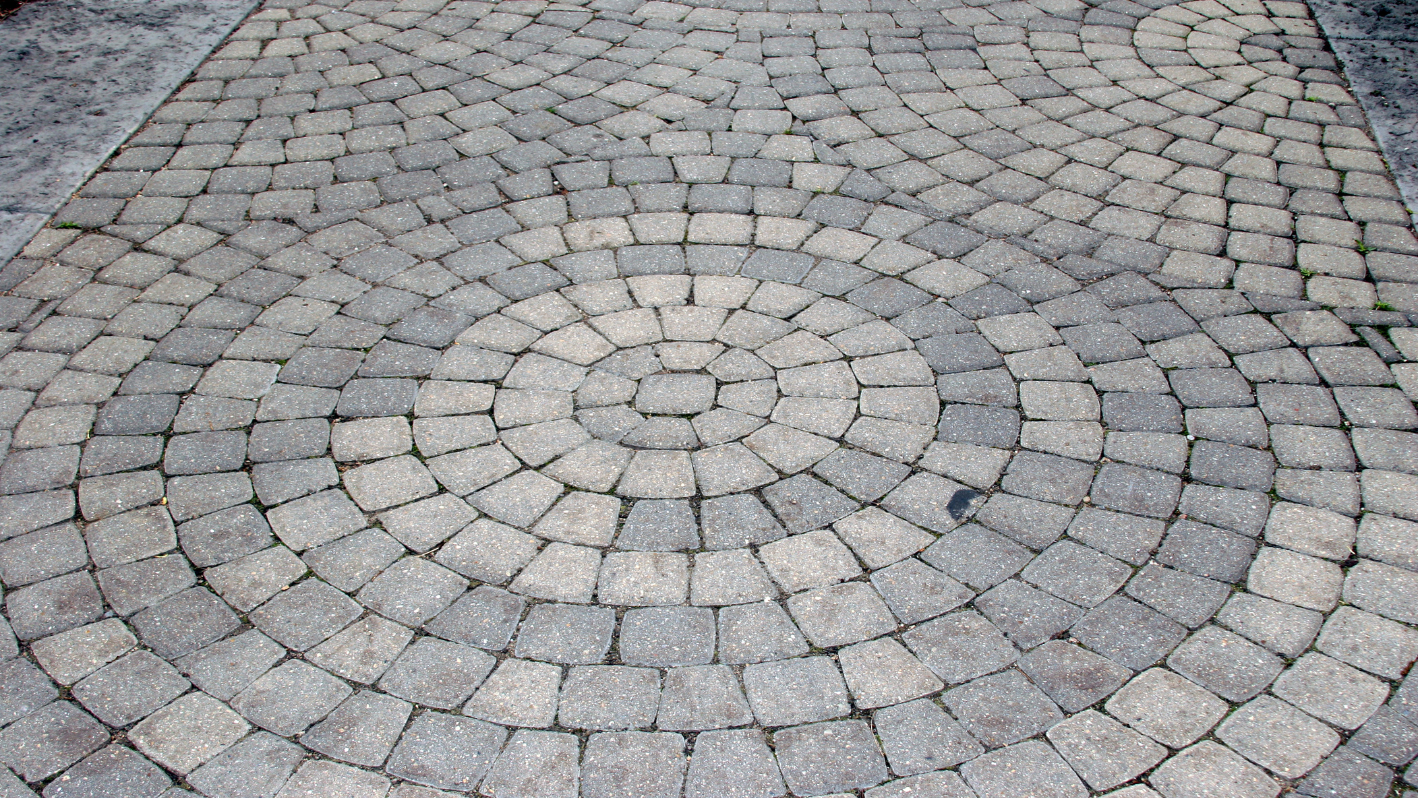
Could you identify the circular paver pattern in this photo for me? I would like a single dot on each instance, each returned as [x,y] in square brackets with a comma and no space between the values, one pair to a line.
[653,399]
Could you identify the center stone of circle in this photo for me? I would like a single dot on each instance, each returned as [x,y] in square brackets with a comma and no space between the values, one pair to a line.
[675,394]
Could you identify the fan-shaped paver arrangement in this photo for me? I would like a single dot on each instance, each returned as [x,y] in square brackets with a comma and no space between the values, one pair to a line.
[651,399]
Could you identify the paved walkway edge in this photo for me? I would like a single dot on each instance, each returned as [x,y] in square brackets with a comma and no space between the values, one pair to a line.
[83,80]
[1378,52]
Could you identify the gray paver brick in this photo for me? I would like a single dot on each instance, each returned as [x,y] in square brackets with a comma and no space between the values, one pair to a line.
[839,755]
[732,762]
[446,751]
[1102,751]
[1166,707]
[288,698]
[795,691]
[49,740]
[128,689]
[113,770]
[633,763]
[259,764]
[1030,765]
[361,731]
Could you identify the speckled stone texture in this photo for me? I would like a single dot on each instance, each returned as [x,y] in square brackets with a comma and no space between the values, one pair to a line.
[650,399]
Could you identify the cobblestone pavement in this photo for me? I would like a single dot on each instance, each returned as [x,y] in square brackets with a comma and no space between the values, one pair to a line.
[79,78]
[1377,47]
[650,399]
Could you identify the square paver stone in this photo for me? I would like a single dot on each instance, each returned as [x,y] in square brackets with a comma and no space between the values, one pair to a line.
[1002,708]
[258,765]
[188,732]
[115,770]
[1028,768]
[437,673]
[609,697]
[362,730]
[306,614]
[319,779]
[1211,769]
[1102,751]
[49,740]
[616,764]
[566,633]
[794,691]
[412,591]
[1166,707]
[185,622]
[667,636]
[130,688]
[830,757]
[675,394]
[446,751]
[291,697]
[389,482]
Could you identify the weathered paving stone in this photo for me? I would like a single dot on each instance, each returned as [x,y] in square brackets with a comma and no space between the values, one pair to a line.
[226,667]
[918,737]
[446,751]
[290,697]
[1225,663]
[518,693]
[882,672]
[758,632]
[327,778]
[1072,676]
[1208,766]
[609,697]
[50,740]
[1001,709]
[961,646]
[130,688]
[566,633]
[113,770]
[1102,751]
[185,622]
[437,673]
[260,763]
[702,342]
[1030,765]
[1257,729]
[667,636]
[841,614]
[1166,707]
[702,697]
[188,732]
[1129,633]
[633,763]
[71,656]
[1331,690]
[795,691]
[361,731]
[732,762]
[305,615]
[536,763]
[838,755]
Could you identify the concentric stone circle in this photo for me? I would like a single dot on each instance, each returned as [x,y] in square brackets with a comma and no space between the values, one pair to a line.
[718,376]
[657,399]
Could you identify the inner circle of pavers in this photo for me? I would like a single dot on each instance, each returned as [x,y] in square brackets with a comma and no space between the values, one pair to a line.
[674,399]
